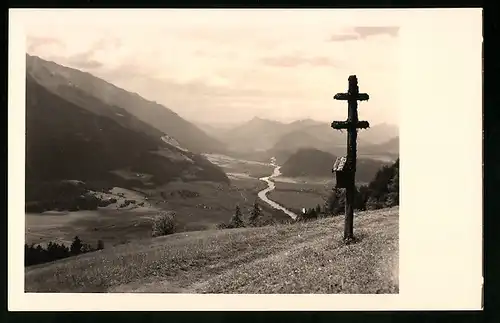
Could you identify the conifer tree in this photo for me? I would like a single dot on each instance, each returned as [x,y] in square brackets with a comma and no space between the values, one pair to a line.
[236,220]
[76,246]
[255,214]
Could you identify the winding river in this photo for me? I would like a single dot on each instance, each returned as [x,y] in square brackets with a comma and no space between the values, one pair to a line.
[271,186]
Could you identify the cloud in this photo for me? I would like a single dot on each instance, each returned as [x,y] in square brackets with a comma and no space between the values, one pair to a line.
[345,37]
[230,70]
[293,61]
[364,32]
[84,60]
[34,43]
[79,61]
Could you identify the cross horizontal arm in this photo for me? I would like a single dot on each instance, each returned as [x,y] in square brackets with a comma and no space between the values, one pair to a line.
[347,125]
[363,125]
[340,125]
[347,97]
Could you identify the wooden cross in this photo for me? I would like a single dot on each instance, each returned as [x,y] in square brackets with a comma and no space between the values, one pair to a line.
[345,167]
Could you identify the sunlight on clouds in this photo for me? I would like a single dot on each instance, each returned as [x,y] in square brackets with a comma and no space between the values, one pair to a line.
[286,62]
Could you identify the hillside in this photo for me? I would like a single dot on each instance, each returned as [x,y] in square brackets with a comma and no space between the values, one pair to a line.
[295,258]
[298,139]
[379,133]
[218,131]
[90,92]
[65,141]
[389,147]
[254,135]
[310,162]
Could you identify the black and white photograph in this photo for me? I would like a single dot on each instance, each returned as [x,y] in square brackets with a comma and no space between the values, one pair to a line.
[213,152]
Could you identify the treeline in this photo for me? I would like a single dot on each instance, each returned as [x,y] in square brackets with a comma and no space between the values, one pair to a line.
[255,218]
[34,255]
[381,192]
[63,196]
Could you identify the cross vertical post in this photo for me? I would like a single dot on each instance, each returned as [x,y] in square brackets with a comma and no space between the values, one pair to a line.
[345,167]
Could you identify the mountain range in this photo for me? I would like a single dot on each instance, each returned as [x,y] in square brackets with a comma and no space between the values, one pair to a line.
[76,130]
[262,139]
[91,93]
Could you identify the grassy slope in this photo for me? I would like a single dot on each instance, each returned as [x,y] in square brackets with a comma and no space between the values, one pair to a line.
[295,258]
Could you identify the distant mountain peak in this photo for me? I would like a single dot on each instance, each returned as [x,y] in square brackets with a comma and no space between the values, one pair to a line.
[257,119]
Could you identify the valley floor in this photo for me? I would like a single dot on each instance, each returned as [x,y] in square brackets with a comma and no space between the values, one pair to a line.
[198,206]
[289,258]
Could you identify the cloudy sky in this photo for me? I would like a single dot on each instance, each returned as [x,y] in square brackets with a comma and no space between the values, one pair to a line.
[230,65]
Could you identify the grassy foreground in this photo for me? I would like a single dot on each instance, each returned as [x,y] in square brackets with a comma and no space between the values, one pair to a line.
[290,258]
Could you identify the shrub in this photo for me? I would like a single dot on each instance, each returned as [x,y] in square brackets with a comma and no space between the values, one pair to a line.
[222,226]
[163,224]
[73,208]
[86,248]
[310,214]
[335,204]
[104,203]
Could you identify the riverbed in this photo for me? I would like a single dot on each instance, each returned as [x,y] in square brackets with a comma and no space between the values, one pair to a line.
[271,186]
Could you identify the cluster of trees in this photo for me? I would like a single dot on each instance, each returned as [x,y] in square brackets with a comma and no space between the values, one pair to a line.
[63,196]
[78,203]
[381,192]
[254,219]
[34,255]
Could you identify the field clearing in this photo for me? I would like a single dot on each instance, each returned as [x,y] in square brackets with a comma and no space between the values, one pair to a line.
[239,166]
[112,226]
[298,195]
[214,203]
[295,258]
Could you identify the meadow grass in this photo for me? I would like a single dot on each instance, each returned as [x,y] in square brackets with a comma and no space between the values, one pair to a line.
[287,258]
